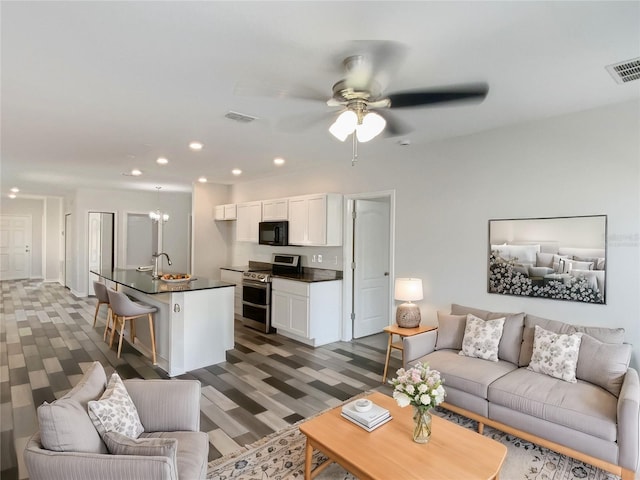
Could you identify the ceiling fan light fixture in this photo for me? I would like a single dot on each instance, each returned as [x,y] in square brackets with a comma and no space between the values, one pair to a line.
[344,125]
[372,125]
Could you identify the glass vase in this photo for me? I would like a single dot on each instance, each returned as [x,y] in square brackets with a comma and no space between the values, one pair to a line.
[421,425]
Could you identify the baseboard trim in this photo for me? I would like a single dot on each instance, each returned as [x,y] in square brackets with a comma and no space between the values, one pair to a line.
[625,474]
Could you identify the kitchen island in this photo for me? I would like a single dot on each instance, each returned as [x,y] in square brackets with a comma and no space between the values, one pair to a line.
[194,321]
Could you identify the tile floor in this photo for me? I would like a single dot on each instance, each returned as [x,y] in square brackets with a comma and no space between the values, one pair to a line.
[267,383]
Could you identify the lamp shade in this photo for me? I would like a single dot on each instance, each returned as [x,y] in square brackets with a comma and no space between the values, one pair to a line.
[408,289]
[344,125]
[372,125]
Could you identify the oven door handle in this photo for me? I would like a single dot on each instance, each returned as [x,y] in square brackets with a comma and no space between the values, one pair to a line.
[263,306]
[257,285]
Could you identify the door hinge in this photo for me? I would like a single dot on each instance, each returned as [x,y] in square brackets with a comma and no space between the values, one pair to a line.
[353,265]
[353,214]
[353,316]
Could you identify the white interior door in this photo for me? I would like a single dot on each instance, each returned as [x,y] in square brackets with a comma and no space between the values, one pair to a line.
[15,247]
[371,273]
[68,249]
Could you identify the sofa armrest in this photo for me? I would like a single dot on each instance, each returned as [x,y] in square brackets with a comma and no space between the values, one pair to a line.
[166,405]
[49,465]
[629,421]
[418,346]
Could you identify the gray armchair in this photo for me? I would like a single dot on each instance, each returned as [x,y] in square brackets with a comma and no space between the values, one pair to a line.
[167,409]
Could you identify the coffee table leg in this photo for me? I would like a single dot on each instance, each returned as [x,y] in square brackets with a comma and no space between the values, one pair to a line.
[308,453]
[386,363]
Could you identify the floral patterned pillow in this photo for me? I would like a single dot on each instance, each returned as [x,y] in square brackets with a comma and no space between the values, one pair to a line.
[115,411]
[555,354]
[482,338]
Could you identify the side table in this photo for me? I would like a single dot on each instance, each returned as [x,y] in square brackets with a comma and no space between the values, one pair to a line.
[401,332]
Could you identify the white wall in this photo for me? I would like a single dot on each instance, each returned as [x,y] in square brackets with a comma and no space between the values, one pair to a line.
[175,233]
[580,164]
[210,238]
[53,239]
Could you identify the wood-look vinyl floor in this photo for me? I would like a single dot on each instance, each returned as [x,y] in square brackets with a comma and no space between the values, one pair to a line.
[266,383]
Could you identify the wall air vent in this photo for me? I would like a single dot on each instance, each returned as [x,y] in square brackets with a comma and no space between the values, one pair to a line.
[626,71]
[240,117]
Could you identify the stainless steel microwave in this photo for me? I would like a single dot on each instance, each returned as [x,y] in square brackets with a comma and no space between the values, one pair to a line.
[273,233]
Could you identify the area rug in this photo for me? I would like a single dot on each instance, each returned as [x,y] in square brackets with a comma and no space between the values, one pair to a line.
[280,456]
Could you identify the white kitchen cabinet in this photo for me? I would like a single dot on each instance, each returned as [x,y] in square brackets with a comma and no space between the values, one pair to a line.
[307,312]
[316,220]
[277,209]
[225,212]
[234,277]
[249,216]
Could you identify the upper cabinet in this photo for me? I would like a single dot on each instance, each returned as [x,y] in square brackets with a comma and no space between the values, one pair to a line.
[277,209]
[225,212]
[316,220]
[249,215]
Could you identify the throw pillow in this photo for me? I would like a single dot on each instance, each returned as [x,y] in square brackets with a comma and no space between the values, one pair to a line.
[603,364]
[511,340]
[555,354]
[115,411]
[450,331]
[65,425]
[119,444]
[482,337]
[527,335]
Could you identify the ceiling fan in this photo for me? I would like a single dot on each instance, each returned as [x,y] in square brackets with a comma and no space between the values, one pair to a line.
[365,105]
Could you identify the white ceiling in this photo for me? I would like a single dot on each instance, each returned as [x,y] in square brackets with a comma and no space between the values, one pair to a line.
[93,89]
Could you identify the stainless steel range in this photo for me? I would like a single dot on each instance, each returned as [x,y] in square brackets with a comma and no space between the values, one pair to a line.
[256,291]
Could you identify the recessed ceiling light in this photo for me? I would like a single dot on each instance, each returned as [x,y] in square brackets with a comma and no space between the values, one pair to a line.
[278,161]
[15,189]
[12,195]
[136,173]
[162,161]
[202,179]
[236,171]
[196,146]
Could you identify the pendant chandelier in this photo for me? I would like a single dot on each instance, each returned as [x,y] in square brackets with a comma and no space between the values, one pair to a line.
[158,216]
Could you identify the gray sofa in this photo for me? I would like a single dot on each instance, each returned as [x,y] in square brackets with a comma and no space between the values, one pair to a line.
[68,446]
[596,419]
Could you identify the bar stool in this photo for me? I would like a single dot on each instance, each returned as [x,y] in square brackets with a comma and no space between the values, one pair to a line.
[124,309]
[100,290]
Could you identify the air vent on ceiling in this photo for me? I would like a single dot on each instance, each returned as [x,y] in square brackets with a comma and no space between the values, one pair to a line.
[626,71]
[240,117]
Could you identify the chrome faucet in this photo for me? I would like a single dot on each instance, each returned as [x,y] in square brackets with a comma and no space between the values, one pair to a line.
[156,263]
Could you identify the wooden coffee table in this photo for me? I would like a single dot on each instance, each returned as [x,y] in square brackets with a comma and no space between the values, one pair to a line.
[454,452]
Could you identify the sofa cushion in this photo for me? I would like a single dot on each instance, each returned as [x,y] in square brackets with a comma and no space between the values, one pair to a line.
[192,453]
[530,321]
[450,331]
[115,411]
[605,335]
[482,337]
[555,354]
[581,406]
[511,341]
[119,444]
[65,425]
[603,364]
[468,374]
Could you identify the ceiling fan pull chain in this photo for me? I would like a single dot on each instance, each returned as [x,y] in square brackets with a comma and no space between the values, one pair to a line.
[354,158]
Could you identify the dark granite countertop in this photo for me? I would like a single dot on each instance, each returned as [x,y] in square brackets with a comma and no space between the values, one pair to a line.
[312,275]
[143,282]
[235,268]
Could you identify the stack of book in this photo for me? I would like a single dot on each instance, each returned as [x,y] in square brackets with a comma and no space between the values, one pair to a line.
[369,420]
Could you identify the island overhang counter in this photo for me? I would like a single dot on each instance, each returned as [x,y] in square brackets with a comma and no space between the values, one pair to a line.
[194,321]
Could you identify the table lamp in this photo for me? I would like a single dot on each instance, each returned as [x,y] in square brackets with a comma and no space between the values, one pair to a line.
[408,289]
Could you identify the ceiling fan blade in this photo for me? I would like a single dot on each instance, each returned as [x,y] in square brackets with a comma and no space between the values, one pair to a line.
[395,127]
[303,122]
[469,93]
[256,89]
